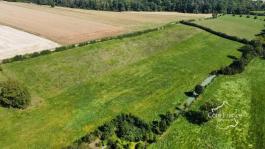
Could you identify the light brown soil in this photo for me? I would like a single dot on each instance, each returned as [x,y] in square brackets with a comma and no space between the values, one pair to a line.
[67,25]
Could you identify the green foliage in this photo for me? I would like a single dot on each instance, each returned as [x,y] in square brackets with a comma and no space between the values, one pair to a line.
[140,145]
[128,128]
[191,6]
[205,113]
[159,127]
[125,127]
[221,34]
[199,89]
[52,3]
[196,117]
[248,53]
[214,15]
[13,94]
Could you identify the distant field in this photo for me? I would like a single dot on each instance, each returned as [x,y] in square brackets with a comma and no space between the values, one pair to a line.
[67,26]
[245,96]
[75,91]
[234,25]
[15,42]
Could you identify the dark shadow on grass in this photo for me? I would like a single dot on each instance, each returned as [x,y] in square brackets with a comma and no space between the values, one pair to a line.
[196,117]
[189,94]
[232,57]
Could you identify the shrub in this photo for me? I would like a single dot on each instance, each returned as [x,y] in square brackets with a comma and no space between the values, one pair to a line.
[12,94]
[199,89]
[208,108]
[140,145]
[236,67]
[88,138]
[214,15]
[204,114]
[35,54]
[248,16]
[45,52]
[196,117]
[1,69]
[255,17]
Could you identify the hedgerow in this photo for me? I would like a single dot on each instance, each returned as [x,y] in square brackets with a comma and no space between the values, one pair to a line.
[13,94]
[234,38]
[249,52]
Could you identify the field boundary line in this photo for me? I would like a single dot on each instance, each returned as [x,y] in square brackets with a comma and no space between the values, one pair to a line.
[220,34]
[82,44]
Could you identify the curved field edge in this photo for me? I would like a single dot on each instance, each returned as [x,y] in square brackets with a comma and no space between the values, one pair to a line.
[244,108]
[145,75]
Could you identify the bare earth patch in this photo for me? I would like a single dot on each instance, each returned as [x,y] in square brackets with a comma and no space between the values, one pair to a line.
[68,26]
[14,42]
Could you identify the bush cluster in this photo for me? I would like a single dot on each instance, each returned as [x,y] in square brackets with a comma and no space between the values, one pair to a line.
[159,127]
[124,127]
[26,56]
[13,94]
[234,38]
[127,128]
[199,89]
[204,114]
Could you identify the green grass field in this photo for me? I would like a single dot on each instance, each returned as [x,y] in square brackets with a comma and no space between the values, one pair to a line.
[244,94]
[234,25]
[75,91]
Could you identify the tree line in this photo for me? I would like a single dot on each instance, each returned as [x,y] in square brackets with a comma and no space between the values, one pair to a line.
[189,6]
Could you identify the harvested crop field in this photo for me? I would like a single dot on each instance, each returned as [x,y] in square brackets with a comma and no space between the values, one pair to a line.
[14,42]
[67,26]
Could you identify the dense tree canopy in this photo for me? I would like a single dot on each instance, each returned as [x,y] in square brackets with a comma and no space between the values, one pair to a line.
[191,6]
